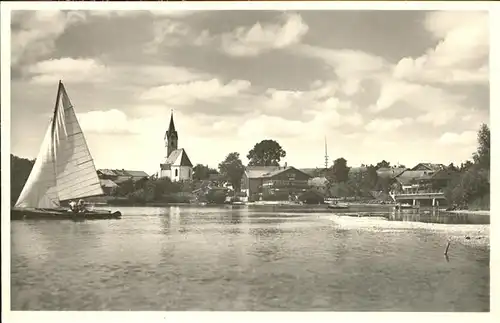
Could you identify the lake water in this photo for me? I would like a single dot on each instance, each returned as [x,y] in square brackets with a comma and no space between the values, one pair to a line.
[250,258]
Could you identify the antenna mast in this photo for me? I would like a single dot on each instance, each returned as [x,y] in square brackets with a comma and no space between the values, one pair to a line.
[326,155]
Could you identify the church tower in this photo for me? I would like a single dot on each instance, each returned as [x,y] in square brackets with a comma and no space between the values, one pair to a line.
[171,137]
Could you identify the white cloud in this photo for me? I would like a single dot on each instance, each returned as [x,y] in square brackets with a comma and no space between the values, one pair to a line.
[168,32]
[346,62]
[108,122]
[154,74]
[115,13]
[270,126]
[387,125]
[72,70]
[437,105]
[188,93]
[173,13]
[464,138]
[320,100]
[261,38]
[67,69]
[350,66]
[461,55]
[437,117]
[37,31]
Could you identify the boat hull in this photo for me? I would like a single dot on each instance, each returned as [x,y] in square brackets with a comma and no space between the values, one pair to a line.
[337,207]
[45,214]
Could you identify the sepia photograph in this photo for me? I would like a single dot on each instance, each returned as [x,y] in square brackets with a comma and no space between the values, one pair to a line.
[247,160]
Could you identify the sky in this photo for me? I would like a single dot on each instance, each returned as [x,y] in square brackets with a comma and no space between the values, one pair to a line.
[403,86]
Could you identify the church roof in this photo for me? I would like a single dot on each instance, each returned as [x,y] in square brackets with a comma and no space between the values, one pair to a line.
[178,157]
[171,127]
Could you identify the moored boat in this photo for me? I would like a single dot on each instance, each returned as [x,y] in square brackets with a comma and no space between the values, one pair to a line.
[64,171]
[335,205]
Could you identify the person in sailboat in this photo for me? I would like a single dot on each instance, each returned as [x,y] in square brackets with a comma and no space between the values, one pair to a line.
[81,206]
[72,206]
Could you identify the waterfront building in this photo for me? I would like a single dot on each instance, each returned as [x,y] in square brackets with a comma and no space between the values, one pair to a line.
[176,165]
[424,177]
[274,180]
[110,179]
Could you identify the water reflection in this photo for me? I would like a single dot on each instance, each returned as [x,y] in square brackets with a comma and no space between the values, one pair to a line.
[192,258]
[426,216]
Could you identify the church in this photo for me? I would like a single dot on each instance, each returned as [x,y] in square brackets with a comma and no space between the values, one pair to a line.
[176,164]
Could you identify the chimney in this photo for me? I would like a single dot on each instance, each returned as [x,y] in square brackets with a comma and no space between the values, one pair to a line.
[286,164]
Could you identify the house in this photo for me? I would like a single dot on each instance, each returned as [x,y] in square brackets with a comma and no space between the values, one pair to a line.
[176,165]
[108,186]
[251,181]
[424,177]
[271,179]
[390,172]
[112,178]
[287,179]
[121,175]
[428,167]
[314,172]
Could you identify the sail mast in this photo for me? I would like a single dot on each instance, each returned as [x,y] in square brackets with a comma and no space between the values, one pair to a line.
[58,96]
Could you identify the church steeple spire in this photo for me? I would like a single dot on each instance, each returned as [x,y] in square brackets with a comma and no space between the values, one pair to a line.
[171,127]
[171,137]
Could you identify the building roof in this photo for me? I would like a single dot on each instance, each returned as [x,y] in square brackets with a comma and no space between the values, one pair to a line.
[408,176]
[429,166]
[123,172]
[107,183]
[137,173]
[389,172]
[171,127]
[108,172]
[282,170]
[258,171]
[178,157]
[313,171]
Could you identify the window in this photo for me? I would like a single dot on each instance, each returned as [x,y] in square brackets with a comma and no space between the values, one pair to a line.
[176,172]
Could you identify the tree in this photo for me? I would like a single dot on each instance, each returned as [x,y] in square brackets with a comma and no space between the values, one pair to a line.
[472,185]
[452,167]
[371,177]
[339,172]
[202,172]
[232,169]
[356,182]
[465,166]
[266,153]
[383,184]
[482,155]
[383,164]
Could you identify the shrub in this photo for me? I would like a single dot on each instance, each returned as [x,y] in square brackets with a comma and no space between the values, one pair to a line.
[216,197]
[276,196]
[311,197]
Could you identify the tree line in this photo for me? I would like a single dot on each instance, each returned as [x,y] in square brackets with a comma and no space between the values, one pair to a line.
[468,186]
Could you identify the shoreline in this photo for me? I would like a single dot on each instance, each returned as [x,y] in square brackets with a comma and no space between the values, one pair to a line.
[469,212]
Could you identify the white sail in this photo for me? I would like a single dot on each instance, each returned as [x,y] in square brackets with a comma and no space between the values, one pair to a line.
[64,169]
[40,188]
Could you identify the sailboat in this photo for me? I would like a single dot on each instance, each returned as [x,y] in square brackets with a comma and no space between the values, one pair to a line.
[64,171]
